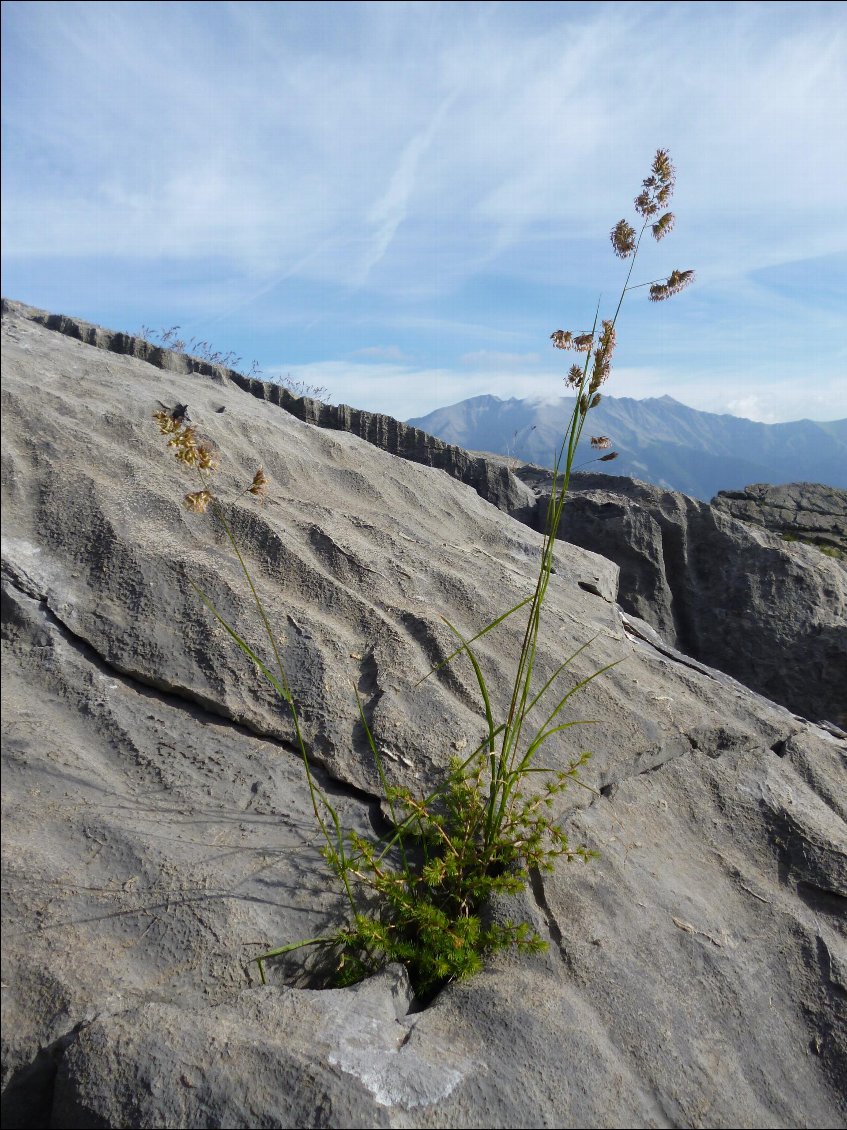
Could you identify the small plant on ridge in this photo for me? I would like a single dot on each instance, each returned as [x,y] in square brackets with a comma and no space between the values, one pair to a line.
[417,895]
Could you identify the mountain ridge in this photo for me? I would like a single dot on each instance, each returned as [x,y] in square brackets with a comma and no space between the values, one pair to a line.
[658,439]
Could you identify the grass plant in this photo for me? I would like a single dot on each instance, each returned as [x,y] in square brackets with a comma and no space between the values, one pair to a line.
[195,347]
[417,894]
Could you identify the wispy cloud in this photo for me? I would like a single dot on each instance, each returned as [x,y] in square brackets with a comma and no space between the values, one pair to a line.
[494,359]
[453,168]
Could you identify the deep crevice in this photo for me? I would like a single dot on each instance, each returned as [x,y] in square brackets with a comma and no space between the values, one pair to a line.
[823,900]
[27,1099]
[536,884]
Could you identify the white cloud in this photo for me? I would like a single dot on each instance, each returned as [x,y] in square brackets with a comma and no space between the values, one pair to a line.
[418,151]
[406,390]
[493,359]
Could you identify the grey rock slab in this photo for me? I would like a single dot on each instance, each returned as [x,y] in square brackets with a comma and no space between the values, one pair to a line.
[806,511]
[158,833]
[269,1057]
[771,613]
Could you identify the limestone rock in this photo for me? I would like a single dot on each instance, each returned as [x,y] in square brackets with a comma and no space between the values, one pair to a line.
[771,613]
[158,833]
[808,512]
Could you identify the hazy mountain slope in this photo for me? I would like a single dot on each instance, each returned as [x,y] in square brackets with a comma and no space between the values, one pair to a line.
[658,439]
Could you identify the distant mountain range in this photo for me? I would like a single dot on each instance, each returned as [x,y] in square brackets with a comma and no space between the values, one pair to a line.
[659,440]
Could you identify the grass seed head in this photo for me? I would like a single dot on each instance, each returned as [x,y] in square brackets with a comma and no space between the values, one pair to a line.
[676,281]
[623,239]
[574,377]
[198,502]
[259,485]
[663,226]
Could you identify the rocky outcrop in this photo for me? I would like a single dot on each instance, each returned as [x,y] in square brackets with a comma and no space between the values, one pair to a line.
[158,833]
[757,609]
[771,613]
[807,512]
[490,479]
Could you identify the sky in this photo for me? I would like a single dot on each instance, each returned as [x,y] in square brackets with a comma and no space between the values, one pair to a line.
[402,201]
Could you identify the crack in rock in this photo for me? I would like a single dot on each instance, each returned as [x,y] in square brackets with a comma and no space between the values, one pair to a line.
[170,693]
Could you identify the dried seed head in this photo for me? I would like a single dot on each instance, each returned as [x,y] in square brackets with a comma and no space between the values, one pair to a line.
[606,458]
[259,484]
[600,443]
[676,281]
[644,205]
[186,445]
[623,239]
[562,339]
[167,423]
[656,189]
[603,356]
[663,168]
[574,377]
[206,458]
[595,399]
[198,502]
[583,342]
[663,226]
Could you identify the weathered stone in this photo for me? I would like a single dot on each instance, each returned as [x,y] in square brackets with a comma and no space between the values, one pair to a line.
[808,512]
[158,833]
[491,479]
[771,613]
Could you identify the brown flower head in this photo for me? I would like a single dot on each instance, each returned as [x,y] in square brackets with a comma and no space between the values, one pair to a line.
[167,424]
[661,227]
[676,281]
[198,502]
[564,339]
[600,443]
[623,239]
[259,484]
[603,356]
[606,458]
[207,459]
[186,445]
[656,189]
[663,168]
[574,377]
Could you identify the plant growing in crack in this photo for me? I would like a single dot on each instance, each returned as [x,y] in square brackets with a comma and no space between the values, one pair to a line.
[417,894]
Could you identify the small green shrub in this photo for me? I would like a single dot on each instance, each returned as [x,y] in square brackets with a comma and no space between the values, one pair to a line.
[417,895]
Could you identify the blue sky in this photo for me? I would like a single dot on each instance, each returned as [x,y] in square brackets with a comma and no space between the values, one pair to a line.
[401,201]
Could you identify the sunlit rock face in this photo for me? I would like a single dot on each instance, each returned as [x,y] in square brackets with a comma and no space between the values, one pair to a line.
[158,833]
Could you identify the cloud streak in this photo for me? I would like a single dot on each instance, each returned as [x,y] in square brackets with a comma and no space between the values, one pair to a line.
[444,163]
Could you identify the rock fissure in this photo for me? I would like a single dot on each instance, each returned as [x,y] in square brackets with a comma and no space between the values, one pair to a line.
[175,694]
[536,883]
[27,1099]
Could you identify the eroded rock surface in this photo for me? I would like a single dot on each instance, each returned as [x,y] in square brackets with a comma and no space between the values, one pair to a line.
[808,512]
[158,835]
[736,596]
